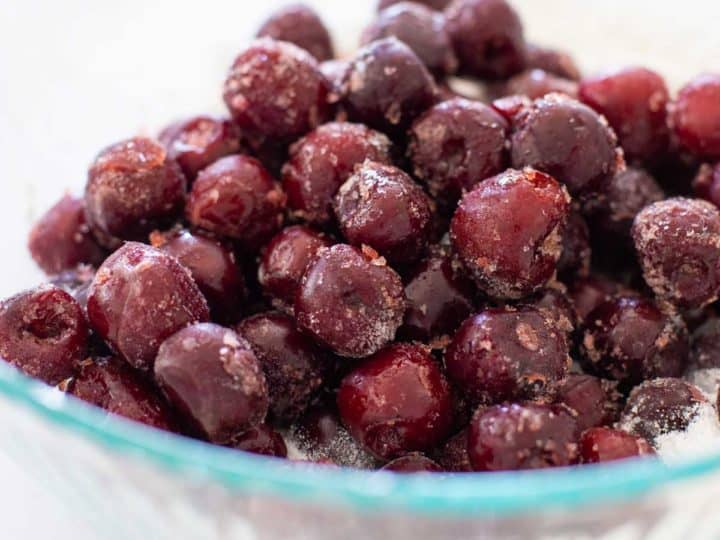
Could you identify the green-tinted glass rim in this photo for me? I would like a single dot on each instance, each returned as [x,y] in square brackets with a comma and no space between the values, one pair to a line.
[458,494]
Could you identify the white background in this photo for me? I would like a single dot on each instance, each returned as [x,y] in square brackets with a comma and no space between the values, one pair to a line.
[76,75]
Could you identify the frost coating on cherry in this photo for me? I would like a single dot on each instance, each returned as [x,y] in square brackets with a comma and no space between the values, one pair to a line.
[382,207]
[350,301]
[138,298]
[678,246]
[133,187]
[508,232]
[211,376]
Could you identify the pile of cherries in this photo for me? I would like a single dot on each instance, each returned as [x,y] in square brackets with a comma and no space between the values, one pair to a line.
[363,259]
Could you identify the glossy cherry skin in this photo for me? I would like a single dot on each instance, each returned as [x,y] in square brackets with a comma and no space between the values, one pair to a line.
[138,298]
[438,5]
[412,463]
[455,145]
[659,406]
[133,187]
[508,232]
[706,183]
[595,401]
[678,246]
[439,299]
[601,444]
[630,339]
[487,36]
[350,301]
[387,86]
[506,354]
[695,116]
[211,376]
[109,383]
[212,266]
[262,440]
[634,101]
[236,197]
[535,83]
[515,437]
[196,142]
[284,262]
[420,28]
[589,292]
[61,239]
[551,134]
[382,207]
[321,161]
[275,90]
[301,25]
[396,402]
[42,333]
[552,61]
[294,366]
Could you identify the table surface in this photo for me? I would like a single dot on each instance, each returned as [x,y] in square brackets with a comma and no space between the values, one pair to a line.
[78,75]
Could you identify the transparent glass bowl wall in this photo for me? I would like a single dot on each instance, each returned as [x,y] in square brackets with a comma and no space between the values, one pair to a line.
[128,481]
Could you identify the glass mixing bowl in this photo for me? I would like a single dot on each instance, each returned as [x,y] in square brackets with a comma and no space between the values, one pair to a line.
[129,481]
[126,65]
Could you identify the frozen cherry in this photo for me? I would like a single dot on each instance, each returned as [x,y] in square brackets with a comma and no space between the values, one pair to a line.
[111,384]
[396,402]
[601,444]
[705,345]
[61,239]
[412,463]
[595,401]
[695,116]
[706,184]
[334,72]
[139,297]
[237,197]
[42,332]
[387,86]
[284,261]
[439,299]
[554,302]
[438,5]
[515,437]
[301,25]
[634,101]
[508,232]
[262,440]
[506,354]
[452,456]
[659,406]
[678,246]
[293,365]
[455,145]
[320,162]
[275,90]
[382,207]
[576,251]
[198,141]
[133,187]
[624,196]
[487,36]
[535,83]
[510,107]
[213,267]
[420,28]
[566,139]
[552,61]
[589,292]
[630,339]
[211,376]
[349,301]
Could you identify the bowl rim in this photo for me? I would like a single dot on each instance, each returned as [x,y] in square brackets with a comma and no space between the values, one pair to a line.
[465,494]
